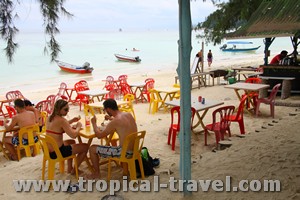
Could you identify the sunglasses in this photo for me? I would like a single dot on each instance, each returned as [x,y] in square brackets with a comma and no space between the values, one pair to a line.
[66,109]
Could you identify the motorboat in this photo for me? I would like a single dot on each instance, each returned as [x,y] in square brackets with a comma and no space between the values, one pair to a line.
[85,68]
[238,46]
[127,58]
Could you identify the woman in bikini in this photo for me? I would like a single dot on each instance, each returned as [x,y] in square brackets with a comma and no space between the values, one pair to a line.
[57,125]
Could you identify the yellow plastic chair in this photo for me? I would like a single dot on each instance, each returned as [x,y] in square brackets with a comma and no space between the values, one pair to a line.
[128,107]
[30,131]
[44,116]
[177,95]
[48,140]
[155,101]
[137,139]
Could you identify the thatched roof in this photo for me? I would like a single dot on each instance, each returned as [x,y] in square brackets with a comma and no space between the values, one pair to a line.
[273,18]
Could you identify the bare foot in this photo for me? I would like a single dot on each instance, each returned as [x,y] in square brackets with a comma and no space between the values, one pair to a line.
[93,177]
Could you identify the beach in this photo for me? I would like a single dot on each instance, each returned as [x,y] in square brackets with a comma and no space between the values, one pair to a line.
[270,149]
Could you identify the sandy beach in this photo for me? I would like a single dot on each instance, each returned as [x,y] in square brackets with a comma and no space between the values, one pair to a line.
[269,151]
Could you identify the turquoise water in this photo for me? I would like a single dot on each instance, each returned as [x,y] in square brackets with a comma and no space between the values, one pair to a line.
[32,70]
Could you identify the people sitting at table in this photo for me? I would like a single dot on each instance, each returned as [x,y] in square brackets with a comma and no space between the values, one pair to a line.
[122,122]
[57,125]
[279,57]
[22,119]
[38,118]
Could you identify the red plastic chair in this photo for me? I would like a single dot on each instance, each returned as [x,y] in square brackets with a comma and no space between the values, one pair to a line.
[126,89]
[253,95]
[109,81]
[13,95]
[11,111]
[220,123]
[270,100]
[81,98]
[122,79]
[149,85]
[175,124]
[62,91]
[239,116]
[44,106]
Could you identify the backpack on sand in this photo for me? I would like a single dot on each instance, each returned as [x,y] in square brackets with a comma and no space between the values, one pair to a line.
[148,163]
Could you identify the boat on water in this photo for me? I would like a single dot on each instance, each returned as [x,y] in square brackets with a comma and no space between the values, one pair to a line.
[238,46]
[85,68]
[127,58]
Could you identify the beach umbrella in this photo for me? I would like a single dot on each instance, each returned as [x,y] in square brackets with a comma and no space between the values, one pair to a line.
[183,70]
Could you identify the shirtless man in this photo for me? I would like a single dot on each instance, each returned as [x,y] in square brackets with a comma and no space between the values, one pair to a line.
[122,122]
[22,119]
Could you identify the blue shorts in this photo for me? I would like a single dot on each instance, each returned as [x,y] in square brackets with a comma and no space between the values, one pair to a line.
[15,140]
[111,151]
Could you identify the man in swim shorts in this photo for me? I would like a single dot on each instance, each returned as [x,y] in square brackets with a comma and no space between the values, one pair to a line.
[122,123]
[22,119]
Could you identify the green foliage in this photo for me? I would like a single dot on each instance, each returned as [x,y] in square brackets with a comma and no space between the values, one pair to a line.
[50,10]
[228,17]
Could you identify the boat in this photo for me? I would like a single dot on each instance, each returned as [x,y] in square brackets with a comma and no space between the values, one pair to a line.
[238,46]
[127,58]
[85,68]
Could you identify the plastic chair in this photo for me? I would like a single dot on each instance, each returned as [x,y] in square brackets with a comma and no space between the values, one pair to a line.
[175,124]
[62,91]
[155,101]
[109,80]
[128,107]
[239,116]
[81,98]
[11,111]
[220,123]
[145,91]
[13,95]
[48,140]
[51,101]
[44,106]
[136,140]
[269,100]
[44,116]
[122,79]
[30,131]
[177,95]
[252,95]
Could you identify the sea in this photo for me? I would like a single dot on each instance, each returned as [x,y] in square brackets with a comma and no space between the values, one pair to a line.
[31,69]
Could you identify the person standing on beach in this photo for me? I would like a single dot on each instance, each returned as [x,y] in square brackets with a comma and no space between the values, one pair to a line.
[22,119]
[209,58]
[121,122]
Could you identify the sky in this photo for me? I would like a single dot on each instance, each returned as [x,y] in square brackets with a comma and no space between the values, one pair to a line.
[101,15]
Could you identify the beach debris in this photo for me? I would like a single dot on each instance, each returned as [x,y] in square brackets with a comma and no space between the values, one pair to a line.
[263,127]
[167,172]
[257,131]
[271,124]
[241,135]
[224,144]
[275,121]
[292,114]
